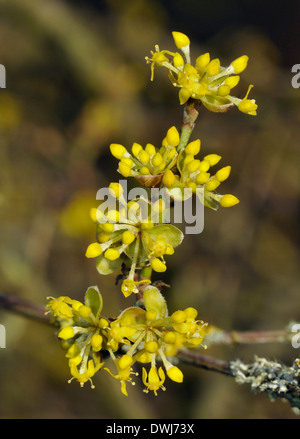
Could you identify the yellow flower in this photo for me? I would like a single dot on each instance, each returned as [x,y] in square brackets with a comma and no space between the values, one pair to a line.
[155,379]
[129,286]
[124,372]
[83,332]
[60,307]
[85,375]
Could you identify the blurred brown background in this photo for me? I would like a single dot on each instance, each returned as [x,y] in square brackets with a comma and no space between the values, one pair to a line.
[77,81]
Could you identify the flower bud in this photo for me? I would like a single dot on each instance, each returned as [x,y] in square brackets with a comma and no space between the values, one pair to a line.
[229,200]
[240,64]
[175,374]
[117,150]
[66,333]
[93,250]
[180,39]
[112,254]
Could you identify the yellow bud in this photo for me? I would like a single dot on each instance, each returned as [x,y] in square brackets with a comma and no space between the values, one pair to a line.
[202,177]
[178,61]
[76,305]
[180,40]
[229,200]
[127,160]
[115,189]
[124,169]
[175,374]
[223,173]
[125,361]
[170,250]
[96,342]
[178,316]
[240,64]
[184,95]
[193,166]
[202,61]
[143,157]
[117,150]
[84,311]
[157,159]
[103,237]
[168,178]
[150,149]
[223,90]
[66,333]
[144,170]
[112,254]
[232,81]
[172,136]
[189,158]
[170,337]
[204,165]
[93,250]
[145,357]
[107,227]
[213,67]
[213,159]
[151,346]
[161,167]
[127,237]
[191,313]
[192,185]
[103,323]
[158,265]
[136,148]
[190,70]
[193,148]
[94,215]
[212,184]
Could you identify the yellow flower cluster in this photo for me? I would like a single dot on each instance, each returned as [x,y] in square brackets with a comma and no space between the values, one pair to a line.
[146,336]
[149,160]
[153,335]
[83,332]
[207,80]
[195,174]
[130,234]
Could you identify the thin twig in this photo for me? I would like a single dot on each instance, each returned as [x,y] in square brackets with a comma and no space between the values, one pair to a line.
[190,115]
[221,337]
[204,361]
[24,308]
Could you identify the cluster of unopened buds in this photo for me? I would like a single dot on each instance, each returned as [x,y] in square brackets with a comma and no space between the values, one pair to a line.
[135,236]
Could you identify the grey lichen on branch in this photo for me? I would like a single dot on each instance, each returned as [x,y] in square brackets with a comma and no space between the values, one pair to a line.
[276,380]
